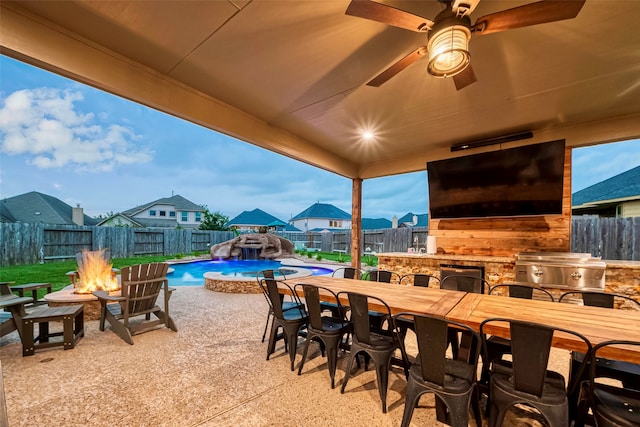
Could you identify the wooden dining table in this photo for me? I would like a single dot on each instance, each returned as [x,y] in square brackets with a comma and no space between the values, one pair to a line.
[597,324]
[399,298]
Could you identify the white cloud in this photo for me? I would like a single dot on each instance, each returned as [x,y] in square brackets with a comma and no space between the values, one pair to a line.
[44,125]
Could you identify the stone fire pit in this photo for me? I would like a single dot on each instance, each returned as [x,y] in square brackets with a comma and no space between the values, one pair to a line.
[67,296]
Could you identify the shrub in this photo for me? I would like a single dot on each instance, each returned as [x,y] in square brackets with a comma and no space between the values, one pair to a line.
[369,260]
[319,257]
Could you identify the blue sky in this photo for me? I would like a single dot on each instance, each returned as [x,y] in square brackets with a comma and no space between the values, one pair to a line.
[81,145]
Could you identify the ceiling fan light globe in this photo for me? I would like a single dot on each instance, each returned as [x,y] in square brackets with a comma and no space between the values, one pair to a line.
[448,51]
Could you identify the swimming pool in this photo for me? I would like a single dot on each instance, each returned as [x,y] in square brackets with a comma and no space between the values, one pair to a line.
[192,273]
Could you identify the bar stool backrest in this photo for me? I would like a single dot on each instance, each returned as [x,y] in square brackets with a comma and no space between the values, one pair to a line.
[359,308]
[600,299]
[522,291]
[419,279]
[432,336]
[312,300]
[347,272]
[531,345]
[383,276]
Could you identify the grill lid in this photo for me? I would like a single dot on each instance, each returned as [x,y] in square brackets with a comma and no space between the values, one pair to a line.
[570,258]
[560,270]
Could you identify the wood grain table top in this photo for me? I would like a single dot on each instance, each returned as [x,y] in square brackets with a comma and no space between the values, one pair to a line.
[595,323]
[400,298]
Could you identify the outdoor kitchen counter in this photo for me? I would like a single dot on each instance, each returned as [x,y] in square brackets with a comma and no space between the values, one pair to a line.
[623,277]
[614,263]
[496,269]
[620,276]
[448,257]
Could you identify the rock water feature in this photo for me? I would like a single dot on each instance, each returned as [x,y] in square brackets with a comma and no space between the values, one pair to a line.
[253,246]
[247,247]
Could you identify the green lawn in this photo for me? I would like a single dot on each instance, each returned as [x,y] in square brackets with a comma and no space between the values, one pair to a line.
[369,260]
[55,272]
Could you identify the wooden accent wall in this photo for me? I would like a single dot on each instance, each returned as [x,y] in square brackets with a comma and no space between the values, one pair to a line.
[508,236]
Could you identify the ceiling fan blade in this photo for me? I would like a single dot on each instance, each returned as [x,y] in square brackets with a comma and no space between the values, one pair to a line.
[398,66]
[464,78]
[529,14]
[388,15]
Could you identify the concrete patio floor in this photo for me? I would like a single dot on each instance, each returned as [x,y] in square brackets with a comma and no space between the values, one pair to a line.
[212,372]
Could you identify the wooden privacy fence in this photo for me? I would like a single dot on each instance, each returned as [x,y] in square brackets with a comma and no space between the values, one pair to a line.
[609,238]
[21,244]
[383,240]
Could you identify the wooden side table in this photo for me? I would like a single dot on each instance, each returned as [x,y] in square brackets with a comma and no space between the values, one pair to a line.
[33,287]
[72,317]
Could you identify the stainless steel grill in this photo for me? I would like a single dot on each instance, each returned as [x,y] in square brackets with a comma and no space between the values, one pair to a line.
[565,270]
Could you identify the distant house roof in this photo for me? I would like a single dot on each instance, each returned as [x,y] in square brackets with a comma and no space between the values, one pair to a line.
[179,202]
[623,186]
[116,217]
[144,222]
[281,225]
[156,222]
[326,229]
[322,210]
[255,217]
[290,227]
[407,220]
[5,215]
[39,207]
[375,223]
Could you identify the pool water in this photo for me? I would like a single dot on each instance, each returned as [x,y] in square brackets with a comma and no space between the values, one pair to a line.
[192,273]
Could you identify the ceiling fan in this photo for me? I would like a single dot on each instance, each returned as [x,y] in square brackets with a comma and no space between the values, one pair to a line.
[449,33]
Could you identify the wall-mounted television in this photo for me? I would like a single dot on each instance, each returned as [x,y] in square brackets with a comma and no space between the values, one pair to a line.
[520,181]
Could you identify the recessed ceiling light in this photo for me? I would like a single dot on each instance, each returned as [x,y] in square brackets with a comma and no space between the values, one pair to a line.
[367,135]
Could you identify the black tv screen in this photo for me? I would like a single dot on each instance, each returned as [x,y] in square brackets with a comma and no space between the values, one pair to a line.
[518,181]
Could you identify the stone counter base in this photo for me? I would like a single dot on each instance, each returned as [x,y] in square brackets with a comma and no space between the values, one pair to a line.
[232,286]
[91,308]
[621,277]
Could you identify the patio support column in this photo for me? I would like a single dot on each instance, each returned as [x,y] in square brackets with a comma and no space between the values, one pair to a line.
[356,222]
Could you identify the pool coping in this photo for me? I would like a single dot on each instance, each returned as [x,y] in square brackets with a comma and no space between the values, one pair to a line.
[218,282]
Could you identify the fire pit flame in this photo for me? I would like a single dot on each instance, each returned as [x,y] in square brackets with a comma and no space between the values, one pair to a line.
[95,274]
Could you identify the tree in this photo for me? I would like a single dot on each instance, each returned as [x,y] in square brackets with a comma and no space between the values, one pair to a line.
[105,216]
[214,221]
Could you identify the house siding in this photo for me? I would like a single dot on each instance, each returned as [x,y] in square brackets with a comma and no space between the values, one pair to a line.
[631,209]
[244,227]
[313,223]
[157,209]
[118,221]
[168,209]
